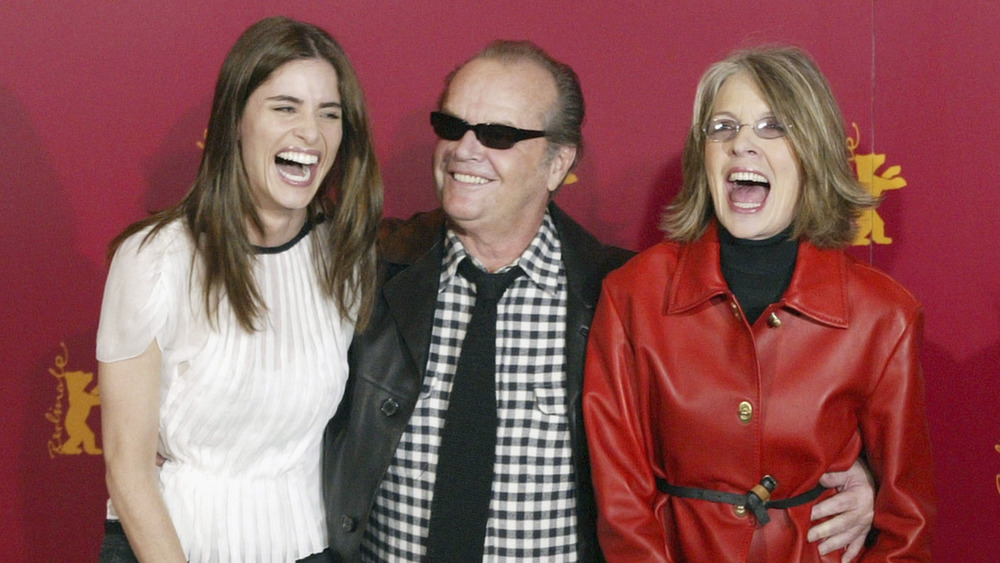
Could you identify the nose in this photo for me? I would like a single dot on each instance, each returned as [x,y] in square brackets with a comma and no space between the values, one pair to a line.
[745,140]
[468,146]
[307,129]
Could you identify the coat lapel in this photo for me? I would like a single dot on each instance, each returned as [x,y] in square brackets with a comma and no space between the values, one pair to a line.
[413,255]
[411,297]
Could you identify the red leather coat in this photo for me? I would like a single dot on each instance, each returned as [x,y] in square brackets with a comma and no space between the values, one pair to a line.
[680,387]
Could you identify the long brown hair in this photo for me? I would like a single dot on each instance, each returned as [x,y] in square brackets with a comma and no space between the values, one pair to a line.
[831,198]
[219,207]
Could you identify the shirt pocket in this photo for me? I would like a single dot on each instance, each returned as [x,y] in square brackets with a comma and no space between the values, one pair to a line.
[550,400]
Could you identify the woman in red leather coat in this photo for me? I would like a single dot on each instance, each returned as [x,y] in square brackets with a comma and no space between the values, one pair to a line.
[730,366]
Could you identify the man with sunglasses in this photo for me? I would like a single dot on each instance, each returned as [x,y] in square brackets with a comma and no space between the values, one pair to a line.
[503,474]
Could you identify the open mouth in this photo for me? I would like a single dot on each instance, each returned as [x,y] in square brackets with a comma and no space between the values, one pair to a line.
[748,190]
[296,167]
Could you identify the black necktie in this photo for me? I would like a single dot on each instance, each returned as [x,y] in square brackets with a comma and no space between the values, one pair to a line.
[462,486]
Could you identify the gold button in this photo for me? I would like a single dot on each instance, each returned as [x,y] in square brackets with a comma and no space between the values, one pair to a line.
[740,511]
[746,412]
[736,309]
[773,321]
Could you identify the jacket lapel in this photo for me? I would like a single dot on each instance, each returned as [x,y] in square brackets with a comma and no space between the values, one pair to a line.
[581,257]
[698,276]
[411,287]
[818,287]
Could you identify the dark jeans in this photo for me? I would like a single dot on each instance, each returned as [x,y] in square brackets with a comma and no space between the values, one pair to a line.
[116,549]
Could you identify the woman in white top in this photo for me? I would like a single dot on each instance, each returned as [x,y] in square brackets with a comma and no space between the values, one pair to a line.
[226,319]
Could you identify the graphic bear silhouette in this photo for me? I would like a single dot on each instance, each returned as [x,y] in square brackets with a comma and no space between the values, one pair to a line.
[80,437]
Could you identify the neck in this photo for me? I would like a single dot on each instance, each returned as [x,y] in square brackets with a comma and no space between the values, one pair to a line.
[757,271]
[496,250]
[276,228]
[727,238]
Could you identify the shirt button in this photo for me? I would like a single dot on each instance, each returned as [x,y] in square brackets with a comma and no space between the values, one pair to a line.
[348,524]
[389,407]
[773,321]
[740,511]
[745,412]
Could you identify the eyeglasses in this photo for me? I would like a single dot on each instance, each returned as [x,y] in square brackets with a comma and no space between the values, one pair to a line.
[492,136]
[723,130]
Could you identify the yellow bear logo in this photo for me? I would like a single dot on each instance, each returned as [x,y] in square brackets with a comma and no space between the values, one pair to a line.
[72,435]
[871,226]
[998,476]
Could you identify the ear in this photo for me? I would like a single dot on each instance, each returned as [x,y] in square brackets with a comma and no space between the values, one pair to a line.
[559,166]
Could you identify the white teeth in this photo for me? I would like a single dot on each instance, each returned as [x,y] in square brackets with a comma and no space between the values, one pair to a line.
[301,158]
[748,177]
[746,205]
[469,178]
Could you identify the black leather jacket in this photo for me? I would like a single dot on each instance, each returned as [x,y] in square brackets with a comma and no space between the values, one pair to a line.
[388,362]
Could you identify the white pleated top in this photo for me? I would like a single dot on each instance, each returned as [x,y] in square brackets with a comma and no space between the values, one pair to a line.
[241,414]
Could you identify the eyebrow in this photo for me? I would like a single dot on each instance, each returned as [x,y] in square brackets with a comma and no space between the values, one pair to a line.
[504,123]
[732,116]
[294,100]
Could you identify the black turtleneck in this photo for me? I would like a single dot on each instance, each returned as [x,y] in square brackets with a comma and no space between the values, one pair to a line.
[757,271]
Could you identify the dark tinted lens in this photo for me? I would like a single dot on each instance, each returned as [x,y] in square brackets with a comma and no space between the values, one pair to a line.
[448,127]
[497,136]
[451,128]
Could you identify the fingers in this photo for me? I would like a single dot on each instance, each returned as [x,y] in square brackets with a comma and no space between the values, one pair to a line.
[855,496]
[834,480]
[837,504]
[853,549]
[846,523]
[850,522]
[847,539]
[834,543]
[850,512]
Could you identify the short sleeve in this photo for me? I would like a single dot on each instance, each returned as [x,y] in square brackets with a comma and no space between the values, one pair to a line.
[145,281]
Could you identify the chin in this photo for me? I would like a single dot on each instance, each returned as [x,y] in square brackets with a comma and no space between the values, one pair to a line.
[745,230]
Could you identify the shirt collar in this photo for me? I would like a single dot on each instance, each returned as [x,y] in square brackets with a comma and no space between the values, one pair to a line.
[541,261]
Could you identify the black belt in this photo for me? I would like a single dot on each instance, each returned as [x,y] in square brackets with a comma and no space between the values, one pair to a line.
[757,499]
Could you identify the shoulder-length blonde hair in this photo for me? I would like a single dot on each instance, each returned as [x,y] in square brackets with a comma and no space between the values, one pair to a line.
[798,94]
[219,208]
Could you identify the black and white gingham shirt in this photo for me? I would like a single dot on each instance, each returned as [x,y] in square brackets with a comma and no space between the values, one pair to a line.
[533,509]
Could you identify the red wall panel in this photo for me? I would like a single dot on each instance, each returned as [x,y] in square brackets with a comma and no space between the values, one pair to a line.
[102,106]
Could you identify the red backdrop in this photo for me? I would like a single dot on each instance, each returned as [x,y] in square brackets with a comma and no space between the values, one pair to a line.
[102,106]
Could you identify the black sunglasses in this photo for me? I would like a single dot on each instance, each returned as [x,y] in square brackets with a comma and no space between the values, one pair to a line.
[451,128]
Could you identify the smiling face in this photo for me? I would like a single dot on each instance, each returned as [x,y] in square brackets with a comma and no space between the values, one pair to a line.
[755,183]
[499,193]
[289,135]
